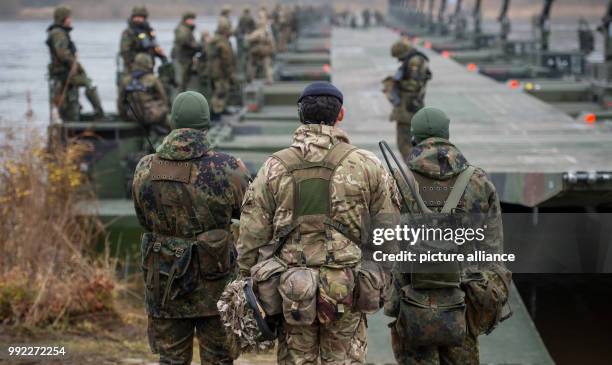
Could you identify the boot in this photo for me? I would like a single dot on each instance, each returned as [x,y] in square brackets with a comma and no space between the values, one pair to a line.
[94,99]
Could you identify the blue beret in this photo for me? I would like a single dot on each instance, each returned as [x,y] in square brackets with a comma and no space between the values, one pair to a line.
[321,88]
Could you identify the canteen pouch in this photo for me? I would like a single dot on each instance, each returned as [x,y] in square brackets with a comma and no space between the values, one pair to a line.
[336,287]
[266,282]
[298,288]
[432,317]
[371,287]
[215,253]
[168,267]
[486,294]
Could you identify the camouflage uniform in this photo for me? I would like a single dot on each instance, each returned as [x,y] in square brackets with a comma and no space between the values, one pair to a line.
[202,67]
[146,92]
[406,91]
[246,25]
[222,65]
[261,49]
[185,48]
[214,190]
[434,161]
[138,38]
[284,29]
[360,187]
[63,59]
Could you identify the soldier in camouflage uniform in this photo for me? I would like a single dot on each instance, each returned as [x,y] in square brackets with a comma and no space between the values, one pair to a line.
[246,25]
[65,72]
[261,49]
[359,189]
[139,37]
[406,90]
[436,163]
[222,67]
[185,48]
[145,92]
[175,205]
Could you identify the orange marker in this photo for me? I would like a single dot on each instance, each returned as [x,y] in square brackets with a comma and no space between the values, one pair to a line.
[514,84]
[590,118]
[472,67]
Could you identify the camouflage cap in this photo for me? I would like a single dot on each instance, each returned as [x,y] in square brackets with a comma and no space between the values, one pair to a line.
[143,62]
[190,110]
[400,50]
[61,13]
[430,122]
[189,15]
[140,10]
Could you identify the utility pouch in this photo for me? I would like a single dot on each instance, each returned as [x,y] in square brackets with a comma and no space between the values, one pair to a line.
[215,253]
[298,288]
[487,293]
[371,287]
[336,287]
[432,317]
[266,282]
[168,267]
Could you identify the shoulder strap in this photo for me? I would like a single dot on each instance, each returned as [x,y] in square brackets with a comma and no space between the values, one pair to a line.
[288,158]
[338,153]
[458,189]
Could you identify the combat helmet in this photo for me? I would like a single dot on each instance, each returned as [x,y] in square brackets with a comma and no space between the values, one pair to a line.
[189,15]
[61,13]
[143,62]
[140,10]
[400,50]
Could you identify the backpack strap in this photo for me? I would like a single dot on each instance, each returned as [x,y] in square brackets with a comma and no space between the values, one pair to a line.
[458,189]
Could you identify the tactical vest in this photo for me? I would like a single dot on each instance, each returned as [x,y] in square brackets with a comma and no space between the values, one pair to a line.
[312,182]
[57,67]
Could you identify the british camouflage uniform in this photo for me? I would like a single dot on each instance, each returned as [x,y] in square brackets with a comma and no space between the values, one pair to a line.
[436,164]
[184,50]
[406,91]
[360,187]
[138,38]
[184,190]
[66,74]
[143,89]
[222,65]
[261,47]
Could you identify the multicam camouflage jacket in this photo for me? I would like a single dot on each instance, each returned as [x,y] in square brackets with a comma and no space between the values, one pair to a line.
[137,38]
[62,50]
[360,189]
[185,44]
[217,182]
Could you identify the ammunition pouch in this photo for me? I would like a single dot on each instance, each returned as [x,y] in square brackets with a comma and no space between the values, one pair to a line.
[432,317]
[215,254]
[371,288]
[336,288]
[298,288]
[486,293]
[266,276]
[169,268]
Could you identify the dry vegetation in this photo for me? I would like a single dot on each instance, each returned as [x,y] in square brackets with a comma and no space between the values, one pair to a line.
[48,274]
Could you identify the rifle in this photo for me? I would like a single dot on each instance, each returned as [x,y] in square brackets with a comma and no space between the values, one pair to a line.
[58,100]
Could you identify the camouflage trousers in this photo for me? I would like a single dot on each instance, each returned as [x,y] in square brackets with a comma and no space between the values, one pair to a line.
[221,91]
[340,342]
[182,74]
[68,97]
[172,339]
[467,354]
[260,68]
[404,142]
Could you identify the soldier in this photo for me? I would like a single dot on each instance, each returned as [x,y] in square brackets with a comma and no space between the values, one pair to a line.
[284,29]
[185,196]
[261,49]
[145,92]
[224,17]
[202,67]
[438,164]
[246,25]
[139,37]
[406,90]
[65,72]
[185,48]
[222,66]
[316,240]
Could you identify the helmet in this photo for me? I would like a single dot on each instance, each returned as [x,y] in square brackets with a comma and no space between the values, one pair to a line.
[140,10]
[61,13]
[189,15]
[267,333]
[400,50]
[143,62]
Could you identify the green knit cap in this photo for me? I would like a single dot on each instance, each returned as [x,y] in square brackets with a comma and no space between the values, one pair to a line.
[190,110]
[429,122]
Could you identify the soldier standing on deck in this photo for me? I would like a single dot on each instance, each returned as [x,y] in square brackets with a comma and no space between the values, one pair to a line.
[65,72]
[185,48]
[222,67]
[261,49]
[185,195]
[246,25]
[439,169]
[406,90]
[139,37]
[307,205]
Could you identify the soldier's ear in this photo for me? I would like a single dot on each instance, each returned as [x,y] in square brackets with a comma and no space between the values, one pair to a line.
[340,115]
